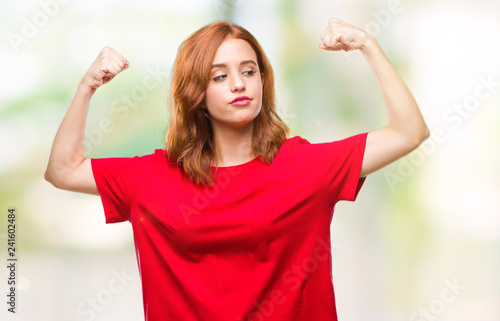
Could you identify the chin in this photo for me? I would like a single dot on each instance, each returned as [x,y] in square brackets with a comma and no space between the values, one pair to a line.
[240,122]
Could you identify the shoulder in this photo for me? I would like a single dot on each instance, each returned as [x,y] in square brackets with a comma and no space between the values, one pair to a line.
[294,142]
[159,156]
[300,145]
[291,148]
[144,160]
[298,141]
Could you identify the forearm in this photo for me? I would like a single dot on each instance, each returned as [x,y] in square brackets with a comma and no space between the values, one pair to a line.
[403,114]
[68,150]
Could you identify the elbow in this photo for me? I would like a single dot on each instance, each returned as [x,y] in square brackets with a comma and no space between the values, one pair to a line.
[420,136]
[46,175]
[50,177]
[425,133]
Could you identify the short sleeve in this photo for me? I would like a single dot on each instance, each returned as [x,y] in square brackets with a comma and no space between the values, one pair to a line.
[118,180]
[337,164]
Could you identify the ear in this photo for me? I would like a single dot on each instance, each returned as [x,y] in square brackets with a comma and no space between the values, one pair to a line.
[262,78]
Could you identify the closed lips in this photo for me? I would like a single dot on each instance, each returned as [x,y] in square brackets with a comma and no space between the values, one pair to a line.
[240,98]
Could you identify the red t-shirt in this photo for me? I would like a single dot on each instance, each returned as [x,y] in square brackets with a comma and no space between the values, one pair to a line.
[255,247]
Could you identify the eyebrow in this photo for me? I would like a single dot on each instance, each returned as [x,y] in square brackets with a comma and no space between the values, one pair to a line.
[244,62]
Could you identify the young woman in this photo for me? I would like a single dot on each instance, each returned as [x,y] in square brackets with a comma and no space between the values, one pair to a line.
[231,220]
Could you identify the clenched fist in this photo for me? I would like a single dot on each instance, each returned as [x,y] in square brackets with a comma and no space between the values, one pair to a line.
[339,35]
[106,66]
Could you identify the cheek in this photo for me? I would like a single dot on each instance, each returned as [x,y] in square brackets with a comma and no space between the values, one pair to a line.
[260,85]
[210,96]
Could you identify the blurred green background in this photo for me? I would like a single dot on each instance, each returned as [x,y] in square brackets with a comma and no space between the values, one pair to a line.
[421,242]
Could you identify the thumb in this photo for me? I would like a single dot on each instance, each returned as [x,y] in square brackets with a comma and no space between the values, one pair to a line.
[100,78]
[101,73]
[324,46]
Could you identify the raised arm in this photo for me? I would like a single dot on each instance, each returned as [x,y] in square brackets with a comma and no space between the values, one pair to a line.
[68,167]
[405,129]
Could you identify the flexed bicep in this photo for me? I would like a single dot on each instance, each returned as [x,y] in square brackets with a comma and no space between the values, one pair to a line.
[384,146]
[80,179]
[68,167]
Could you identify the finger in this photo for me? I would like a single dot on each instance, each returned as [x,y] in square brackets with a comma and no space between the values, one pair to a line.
[101,73]
[118,59]
[325,47]
[115,61]
[332,42]
[107,77]
[106,70]
[116,67]
[121,63]
[107,73]
[114,53]
[125,63]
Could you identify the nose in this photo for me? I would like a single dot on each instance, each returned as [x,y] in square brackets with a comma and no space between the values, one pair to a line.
[237,83]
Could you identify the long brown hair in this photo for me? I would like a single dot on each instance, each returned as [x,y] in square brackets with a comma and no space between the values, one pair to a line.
[189,140]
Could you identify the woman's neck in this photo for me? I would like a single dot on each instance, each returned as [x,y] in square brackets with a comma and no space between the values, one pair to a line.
[233,146]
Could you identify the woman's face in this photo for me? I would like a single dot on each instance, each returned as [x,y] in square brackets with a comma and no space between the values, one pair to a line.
[235,74]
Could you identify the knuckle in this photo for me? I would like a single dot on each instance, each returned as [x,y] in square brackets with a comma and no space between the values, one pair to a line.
[334,21]
[106,52]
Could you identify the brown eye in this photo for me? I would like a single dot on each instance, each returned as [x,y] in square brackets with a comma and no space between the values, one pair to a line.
[220,77]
